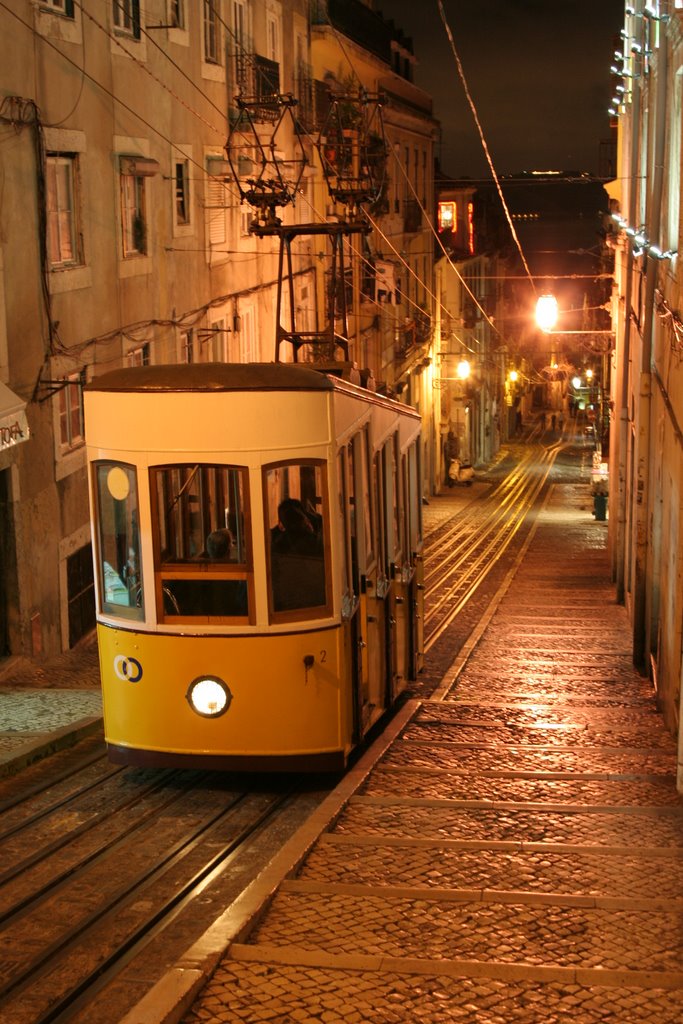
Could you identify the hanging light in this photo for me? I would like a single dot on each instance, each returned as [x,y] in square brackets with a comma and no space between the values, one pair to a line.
[546,312]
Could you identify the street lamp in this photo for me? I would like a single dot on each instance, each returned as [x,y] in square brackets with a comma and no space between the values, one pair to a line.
[546,312]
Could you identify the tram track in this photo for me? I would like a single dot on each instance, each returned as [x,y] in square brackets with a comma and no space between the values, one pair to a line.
[461,557]
[84,891]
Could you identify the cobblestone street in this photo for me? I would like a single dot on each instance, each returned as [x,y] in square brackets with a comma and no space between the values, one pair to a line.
[516,854]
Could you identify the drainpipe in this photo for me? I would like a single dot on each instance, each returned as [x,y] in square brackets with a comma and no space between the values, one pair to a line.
[644,597]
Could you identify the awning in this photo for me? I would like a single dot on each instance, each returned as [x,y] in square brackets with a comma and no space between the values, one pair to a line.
[13,422]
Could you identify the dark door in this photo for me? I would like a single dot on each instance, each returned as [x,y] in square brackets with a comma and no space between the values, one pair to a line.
[6,536]
[81,593]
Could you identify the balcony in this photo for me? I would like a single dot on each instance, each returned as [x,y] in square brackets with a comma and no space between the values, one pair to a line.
[313,100]
[257,81]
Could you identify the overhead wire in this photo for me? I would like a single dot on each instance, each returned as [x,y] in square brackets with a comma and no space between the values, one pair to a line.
[482,137]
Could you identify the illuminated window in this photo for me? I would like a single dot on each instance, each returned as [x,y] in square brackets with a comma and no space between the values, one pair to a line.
[470,227]
[447,216]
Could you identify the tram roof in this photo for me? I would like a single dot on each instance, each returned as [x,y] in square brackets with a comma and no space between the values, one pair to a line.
[213,377]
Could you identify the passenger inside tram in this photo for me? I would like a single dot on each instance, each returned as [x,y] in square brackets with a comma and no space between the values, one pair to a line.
[297,557]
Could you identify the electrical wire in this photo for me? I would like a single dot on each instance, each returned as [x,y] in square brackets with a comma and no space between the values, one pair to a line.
[461,72]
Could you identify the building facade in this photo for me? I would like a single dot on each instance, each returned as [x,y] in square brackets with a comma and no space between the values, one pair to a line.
[124,237]
[646,464]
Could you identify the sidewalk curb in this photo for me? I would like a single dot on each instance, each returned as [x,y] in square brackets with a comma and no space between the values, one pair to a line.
[35,750]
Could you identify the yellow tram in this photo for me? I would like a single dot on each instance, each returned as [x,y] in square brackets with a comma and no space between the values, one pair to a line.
[257,541]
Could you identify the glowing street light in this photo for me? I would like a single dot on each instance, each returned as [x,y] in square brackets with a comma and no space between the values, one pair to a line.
[463,369]
[513,375]
[546,312]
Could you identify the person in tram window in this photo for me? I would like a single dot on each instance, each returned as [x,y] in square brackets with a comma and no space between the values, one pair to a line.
[296,532]
[298,571]
[219,545]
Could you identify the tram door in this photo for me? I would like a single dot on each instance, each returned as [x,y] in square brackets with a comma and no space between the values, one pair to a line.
[385,604]
[352,610]
[373,577]
[411,611]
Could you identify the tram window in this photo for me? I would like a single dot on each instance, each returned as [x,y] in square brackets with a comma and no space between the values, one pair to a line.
[118,540]
[296,520]
[365,503]
[414,497]
[192,503]
[201,543]
[397,520]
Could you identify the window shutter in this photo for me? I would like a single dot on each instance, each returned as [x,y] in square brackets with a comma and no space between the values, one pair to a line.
[216,190]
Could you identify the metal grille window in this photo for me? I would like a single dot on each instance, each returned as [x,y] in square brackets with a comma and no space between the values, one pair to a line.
[70,398]
[62,231]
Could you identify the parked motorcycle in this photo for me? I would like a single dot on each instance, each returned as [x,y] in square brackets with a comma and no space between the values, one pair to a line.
[460,473]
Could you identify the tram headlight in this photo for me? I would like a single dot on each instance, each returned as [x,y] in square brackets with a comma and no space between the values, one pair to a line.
[209,696]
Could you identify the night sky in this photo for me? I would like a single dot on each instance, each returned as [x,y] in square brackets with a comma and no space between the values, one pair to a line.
[537,70]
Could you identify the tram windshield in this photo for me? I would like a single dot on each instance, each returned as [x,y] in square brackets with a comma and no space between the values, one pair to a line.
[201,542]
[296,513]
[118,540]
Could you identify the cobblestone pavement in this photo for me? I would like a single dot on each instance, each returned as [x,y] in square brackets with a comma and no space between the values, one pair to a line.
[47,705]
[515,857]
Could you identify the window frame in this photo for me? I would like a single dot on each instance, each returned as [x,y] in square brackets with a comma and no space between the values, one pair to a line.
[309,612]
[67,408]
[181,192]
[126,19]
[135,612]
[71,210]
[211,32]
[130,212]
[196,567]
[64,8]
[177,14]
